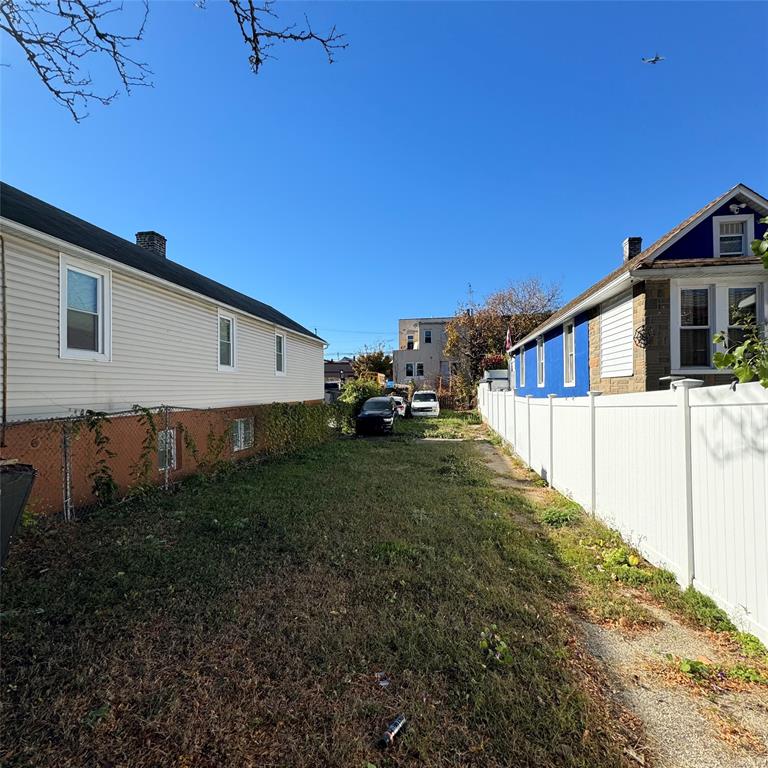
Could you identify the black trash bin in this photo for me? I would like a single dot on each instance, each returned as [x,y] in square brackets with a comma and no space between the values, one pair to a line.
[16,482]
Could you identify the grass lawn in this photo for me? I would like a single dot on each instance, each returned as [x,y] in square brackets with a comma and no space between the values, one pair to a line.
[242,622]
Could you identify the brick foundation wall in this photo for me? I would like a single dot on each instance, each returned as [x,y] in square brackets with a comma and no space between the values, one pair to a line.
[40,445]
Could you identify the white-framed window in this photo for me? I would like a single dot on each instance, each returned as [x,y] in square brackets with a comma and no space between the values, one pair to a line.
[409,341]
[280,354]
[226,342]
[742,310]
[695,333]
[540,371]
[427,337]
[242,434]
[522,367]
[699,310]
[569,354]
[85,310]
[732,235]
[166,449]
[409,370]
[419,369]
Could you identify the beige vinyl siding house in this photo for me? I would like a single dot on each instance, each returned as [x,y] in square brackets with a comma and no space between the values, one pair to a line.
[161,341]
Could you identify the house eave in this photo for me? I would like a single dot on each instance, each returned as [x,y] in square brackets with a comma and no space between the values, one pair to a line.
[24,231]
[617,285]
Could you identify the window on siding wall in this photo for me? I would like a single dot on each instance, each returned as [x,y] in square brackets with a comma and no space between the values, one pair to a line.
[540,372]
[569,354]
[522,367]
[732,235]
[226,342]
[279,353]
[242,434]
[695,333]
[409,369]
[85,303]
[166,449]
[419,369]
[731,239]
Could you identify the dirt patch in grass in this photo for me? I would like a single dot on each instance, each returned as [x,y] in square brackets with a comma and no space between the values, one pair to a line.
[243,622]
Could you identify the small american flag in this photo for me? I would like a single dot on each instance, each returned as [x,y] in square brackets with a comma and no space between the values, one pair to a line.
[508,342]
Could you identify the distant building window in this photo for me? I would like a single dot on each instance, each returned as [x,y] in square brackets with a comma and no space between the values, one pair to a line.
[419,369]
[569,355]
[409,341]
[166,449]
[279,353]
[732,235]
[226,342]
[409,369]
[242,434]
[540,361]
[522,367]
[695,334]
[85,304]
[427,337]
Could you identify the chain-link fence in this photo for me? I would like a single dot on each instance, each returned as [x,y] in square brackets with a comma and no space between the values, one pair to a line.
[94,459]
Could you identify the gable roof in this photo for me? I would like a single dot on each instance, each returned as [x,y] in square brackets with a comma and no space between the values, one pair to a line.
[31,212]
[645,260]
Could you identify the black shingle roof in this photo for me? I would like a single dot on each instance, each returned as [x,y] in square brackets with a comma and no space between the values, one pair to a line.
[31,212]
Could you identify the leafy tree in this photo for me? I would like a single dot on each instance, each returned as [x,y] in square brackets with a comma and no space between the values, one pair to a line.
[60,39]
[357,391]
[481,329]
[372,361]
[749,359]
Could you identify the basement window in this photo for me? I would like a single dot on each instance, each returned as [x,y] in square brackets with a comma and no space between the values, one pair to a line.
[242,434]
[166,449]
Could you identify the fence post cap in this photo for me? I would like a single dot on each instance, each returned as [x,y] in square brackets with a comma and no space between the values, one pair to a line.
[551,394]
[594,393]
[687,384]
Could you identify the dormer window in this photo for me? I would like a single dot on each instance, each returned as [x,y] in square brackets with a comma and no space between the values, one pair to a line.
[732,235]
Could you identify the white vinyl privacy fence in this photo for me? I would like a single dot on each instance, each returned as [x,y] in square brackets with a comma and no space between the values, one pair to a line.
[682,474]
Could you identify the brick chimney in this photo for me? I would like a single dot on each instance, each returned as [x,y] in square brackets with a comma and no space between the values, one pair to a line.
[151,241]
[632,247]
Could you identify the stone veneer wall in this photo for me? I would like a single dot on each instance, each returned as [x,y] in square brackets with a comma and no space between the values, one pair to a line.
[650,311]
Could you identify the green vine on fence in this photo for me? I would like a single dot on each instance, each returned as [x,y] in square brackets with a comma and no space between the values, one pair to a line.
[142,469]
[213,458]
[103,485]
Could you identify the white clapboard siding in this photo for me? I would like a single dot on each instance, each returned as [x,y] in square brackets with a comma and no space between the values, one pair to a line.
[623,457]
[616,336]
[164,348]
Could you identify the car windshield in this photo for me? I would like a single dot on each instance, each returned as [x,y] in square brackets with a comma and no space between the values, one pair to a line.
[375,406]
[424,397]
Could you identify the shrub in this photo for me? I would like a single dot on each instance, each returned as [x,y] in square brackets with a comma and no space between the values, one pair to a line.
[357,391]
[290,427]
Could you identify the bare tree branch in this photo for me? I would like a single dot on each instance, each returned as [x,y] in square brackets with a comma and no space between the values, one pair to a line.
[252,19]
[58,37]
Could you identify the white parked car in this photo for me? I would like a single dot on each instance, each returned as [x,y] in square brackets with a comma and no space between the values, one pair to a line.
[425,403]
[399,405]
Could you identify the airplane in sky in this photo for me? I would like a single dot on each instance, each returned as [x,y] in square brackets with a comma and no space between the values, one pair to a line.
[653,59]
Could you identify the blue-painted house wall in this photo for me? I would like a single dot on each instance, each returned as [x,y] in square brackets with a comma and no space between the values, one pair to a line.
[554,383]
[699,242]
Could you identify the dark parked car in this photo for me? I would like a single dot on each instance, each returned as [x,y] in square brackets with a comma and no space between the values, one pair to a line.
[376,416]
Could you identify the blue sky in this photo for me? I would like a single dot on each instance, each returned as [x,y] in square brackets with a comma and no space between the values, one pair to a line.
[451,143]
